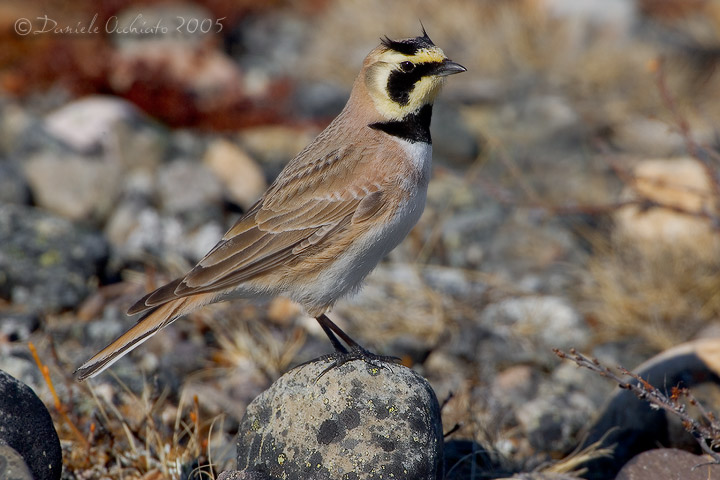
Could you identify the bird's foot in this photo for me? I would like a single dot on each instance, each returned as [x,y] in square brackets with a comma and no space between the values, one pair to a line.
[356,352]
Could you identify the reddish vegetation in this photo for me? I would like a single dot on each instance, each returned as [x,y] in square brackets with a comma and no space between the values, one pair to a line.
[85,64]
[672,9]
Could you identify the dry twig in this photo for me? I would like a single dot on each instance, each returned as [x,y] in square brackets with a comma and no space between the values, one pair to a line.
[706,433]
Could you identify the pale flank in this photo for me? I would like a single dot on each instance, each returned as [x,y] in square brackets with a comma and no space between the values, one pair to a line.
[334,211]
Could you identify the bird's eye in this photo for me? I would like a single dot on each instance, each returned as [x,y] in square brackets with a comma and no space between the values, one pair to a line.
[407,67]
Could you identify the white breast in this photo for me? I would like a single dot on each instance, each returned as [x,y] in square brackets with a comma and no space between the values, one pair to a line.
[409,213]
[420,153]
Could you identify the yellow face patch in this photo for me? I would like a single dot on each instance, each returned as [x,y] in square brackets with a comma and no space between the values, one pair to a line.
[420,92]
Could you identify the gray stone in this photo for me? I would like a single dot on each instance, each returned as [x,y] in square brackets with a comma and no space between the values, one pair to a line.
[616,18]
[453,142]
[18,363]
[516,385]
[528,244]
[528,328]
[26,426]
[276,40]
[186,185]
[16,123]
[452,281]
[38,249]
[16,326]
[315,99]
[466,235]
[13,187]
[76,187]
[554,419]
[244,475]
[355,421]
[648,137]
[135,229]
[12,465]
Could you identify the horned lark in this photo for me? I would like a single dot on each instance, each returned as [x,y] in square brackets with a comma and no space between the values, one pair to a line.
[332,214]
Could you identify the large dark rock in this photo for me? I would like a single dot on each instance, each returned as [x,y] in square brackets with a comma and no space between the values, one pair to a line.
[357,421]
[46,261]
[631,426]
[26,426]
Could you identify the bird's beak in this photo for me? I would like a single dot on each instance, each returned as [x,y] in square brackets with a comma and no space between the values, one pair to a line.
[448,67]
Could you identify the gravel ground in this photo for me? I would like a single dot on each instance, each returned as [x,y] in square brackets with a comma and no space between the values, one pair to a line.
[123,164]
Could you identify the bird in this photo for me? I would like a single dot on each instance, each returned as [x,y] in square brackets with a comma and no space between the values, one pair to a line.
[335,210]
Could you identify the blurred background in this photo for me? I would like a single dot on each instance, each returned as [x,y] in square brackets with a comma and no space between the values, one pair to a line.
[574,203]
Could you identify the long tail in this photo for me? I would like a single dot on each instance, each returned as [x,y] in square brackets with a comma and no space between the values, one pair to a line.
[146,327]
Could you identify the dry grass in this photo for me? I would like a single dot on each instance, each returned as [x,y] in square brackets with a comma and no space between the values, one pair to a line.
[662,295]
[108,430]
[112,432]
[243,339]
[140,437]
[662,288]
[492,39]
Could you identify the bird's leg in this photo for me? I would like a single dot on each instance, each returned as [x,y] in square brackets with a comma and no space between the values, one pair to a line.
[354,351]
[329,327]
[339,347]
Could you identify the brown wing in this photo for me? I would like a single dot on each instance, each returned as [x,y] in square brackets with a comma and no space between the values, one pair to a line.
[307,204]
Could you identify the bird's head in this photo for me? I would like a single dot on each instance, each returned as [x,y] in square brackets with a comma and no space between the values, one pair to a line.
[402,76]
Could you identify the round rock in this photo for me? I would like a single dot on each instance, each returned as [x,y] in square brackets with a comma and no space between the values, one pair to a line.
[26,426]
[355,421]
[241,177]
[669,463]
[12,465]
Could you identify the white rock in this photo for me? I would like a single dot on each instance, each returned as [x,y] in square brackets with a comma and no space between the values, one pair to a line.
[89,123]
[242,178]
[680,183]
[74,187]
